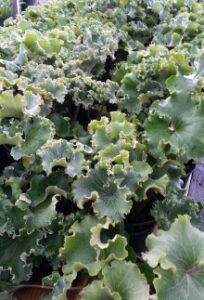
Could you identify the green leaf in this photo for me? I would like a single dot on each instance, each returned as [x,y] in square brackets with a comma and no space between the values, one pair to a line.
[125,281]
[121,280]
[73,251]
[190,83]
[33,103]
[167,210]
[11,106]
[41,187]
[55,154]
[159,185]
[31,39]
[56,88]
[5,138]
[7,78]
[178,253]
[113,141]
[60,153]
[18,249]
[36,135]
[138,173]
[42,215]
[129,91]
[62,125]
[60,286]
[180,83]
[50,45]
[6,225]
[96,291]
[105,132]
[11,132]
[17,106]
[75,164]
[108,248]
[109,199]
[176,122]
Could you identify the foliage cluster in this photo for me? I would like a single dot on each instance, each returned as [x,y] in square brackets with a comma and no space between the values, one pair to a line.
[101,109]
[5,8]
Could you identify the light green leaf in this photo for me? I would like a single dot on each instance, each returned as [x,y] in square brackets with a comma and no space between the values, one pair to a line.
[31,39]
[17,106]
[7,78]
[125,281]
[11,106]
[113,141]
[180,83]
[190,83]
[5,138]
[96,291]
[178,253]
[105,132]
[50,45]
[75,164]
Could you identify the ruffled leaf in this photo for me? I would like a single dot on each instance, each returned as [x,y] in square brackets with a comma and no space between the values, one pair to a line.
[167,210]
[42,215]
[60,286]
[121,280]
[36,135]
[11,106]
[18,249]
[125,281]
[109,199]
[62,126]
[178,253]
[111,247]
[18,106]
[96,291]
[176,126]
[55,154]
[73,251]
[41,187]
[60,153]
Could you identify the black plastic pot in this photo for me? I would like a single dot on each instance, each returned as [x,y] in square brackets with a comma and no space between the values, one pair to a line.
[28,3]
[31,2]
[138,233]
[2,21]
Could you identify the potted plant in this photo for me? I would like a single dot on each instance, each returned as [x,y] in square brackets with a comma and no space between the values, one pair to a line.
[101,116]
